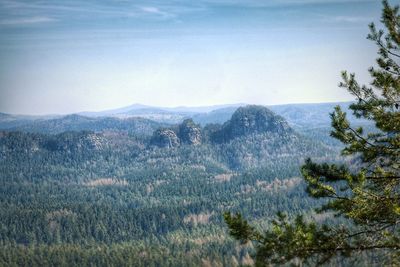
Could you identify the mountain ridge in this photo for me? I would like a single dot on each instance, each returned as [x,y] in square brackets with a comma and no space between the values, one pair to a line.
[299,116]
[75,122]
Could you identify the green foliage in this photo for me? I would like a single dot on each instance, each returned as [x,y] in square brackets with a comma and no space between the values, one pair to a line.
[366,191]
[84,198]
[239,228]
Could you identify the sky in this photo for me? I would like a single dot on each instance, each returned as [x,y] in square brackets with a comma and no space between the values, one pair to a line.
[85,55]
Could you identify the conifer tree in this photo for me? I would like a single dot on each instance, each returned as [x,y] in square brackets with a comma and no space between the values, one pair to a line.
[367,193]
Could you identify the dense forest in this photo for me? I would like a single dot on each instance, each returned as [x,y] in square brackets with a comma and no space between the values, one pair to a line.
[223,185]
[118,197]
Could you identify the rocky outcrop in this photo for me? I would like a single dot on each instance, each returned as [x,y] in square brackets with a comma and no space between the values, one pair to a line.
[245,121]
[190,133]
[256,119]
[165,138]
[76,141]
[187,133]
[251,120]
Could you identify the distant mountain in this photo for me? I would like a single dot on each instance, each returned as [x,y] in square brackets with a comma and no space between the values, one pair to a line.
[75,122]
[313,115]
[216,116]
[249,120]
[8,121]
[174,114]
[301,117]
[203,109]
[244,121]
[112,112]
[164,115]
[253,137]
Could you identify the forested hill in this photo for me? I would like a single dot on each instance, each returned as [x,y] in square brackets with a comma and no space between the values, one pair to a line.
[114,197]
[252,120]
[299,116]
[75,122]
[261,135]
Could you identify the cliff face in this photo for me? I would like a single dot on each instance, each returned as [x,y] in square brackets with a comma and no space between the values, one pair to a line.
[187,133]
[255,119]
[250,120]
[190,133]
[244,121]
[165,138]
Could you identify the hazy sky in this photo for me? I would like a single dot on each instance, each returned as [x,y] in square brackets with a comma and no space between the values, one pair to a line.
[68,56]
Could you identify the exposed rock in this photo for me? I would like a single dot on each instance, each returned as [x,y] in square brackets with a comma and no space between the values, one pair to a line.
[249,120]
[165,138]
[245,121]
[185,133]
[76,141]
[190,133]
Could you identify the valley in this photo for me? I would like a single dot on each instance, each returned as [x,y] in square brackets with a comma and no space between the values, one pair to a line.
[123,192]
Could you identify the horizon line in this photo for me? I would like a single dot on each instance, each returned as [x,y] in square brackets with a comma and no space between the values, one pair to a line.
[169,107]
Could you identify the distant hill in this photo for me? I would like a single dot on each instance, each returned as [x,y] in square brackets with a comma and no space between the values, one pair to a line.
[75,122]
[216,116]
[297,115]
[163,114]
[302,117]
[249,120]
[166,192]
[8,121]
[252,137]
[313,115]
[244,121]
[255,136]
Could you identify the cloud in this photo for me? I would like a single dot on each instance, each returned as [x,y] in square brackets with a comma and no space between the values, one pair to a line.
[26,21]
[63,9]
[345,19]
[269,3]
[38,10]
[157,11]
[151,9]
[351,19]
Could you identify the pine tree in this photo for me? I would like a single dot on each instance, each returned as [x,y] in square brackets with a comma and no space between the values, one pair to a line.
[365,194]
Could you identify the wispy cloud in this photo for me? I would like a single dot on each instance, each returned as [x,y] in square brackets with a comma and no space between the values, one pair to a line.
[351,19]
[150,9]
[345,19]
[157,11]
[19,12]
[275,3]
[25,21]
[39,10]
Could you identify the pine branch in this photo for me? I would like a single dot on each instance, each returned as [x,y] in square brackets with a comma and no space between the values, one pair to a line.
[382,177]
[379,42]
[371,231]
